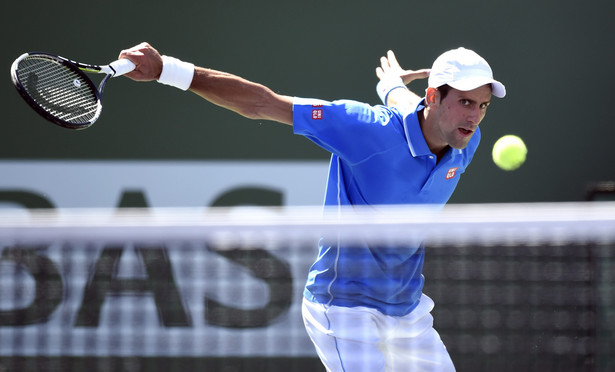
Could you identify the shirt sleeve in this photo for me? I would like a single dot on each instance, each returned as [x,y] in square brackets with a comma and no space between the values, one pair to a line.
[352,130]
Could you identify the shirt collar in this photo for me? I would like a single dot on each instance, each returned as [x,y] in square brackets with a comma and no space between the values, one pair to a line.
[414,134]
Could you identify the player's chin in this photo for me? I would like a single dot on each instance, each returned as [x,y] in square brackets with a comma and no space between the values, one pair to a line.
[461,142]
[458,146]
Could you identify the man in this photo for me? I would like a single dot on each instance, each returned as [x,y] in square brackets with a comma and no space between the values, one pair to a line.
[363,305]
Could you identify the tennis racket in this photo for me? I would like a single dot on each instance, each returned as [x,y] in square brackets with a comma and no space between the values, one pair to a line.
[60,91]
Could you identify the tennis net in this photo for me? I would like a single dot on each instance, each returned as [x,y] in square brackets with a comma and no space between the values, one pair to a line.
[517,286]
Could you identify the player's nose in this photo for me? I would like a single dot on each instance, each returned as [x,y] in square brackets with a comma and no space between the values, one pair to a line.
[474,117]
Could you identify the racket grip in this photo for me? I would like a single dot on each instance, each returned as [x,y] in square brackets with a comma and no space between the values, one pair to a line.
[122,66]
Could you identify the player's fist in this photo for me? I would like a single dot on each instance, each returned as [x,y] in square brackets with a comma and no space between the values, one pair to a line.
[147,60]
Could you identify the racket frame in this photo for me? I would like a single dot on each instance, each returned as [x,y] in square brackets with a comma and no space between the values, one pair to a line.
[77,68]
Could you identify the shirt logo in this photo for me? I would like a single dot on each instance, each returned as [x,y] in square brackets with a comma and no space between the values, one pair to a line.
[317,114]
[451,173]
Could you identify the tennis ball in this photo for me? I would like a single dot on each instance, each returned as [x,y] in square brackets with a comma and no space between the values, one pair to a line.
[509,152]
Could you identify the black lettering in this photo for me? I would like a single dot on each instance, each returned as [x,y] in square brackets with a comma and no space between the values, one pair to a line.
[260,263]
[159,282]
[27,199]
[249,196]
[49,289]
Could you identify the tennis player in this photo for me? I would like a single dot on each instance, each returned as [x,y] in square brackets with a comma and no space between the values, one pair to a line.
[363,306]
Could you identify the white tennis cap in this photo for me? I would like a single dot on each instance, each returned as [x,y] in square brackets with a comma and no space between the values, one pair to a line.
[464,70]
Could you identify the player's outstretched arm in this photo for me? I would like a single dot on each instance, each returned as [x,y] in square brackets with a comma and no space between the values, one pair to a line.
[249,99]
[393,81]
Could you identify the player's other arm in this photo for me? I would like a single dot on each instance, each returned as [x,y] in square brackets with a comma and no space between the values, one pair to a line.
[249,99]
[393,80]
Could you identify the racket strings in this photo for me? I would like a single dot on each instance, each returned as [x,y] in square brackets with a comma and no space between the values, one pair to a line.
[57,89]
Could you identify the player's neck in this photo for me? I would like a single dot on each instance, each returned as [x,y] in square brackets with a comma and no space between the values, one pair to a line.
[427,123]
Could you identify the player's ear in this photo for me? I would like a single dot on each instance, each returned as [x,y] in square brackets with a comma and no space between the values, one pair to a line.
[432,96]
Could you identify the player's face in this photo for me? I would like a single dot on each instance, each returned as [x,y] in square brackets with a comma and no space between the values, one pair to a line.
[460,113]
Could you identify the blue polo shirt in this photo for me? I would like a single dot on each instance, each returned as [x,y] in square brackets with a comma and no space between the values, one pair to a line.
[378,157]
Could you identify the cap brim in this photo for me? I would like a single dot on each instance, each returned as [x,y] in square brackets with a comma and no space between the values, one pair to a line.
[497,89]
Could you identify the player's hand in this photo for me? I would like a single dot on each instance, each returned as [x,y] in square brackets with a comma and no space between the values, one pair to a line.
[389,67]
[147,60]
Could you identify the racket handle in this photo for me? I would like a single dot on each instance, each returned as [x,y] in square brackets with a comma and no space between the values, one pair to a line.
[122,66]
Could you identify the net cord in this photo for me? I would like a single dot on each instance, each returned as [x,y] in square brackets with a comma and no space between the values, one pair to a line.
[455,224]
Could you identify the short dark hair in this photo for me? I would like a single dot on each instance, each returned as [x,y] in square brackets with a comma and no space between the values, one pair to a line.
[444,89]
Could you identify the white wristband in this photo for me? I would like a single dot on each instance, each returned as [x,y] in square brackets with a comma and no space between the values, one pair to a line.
[176,73]
[384,87]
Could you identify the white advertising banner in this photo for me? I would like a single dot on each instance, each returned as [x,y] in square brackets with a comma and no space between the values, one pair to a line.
[154,300]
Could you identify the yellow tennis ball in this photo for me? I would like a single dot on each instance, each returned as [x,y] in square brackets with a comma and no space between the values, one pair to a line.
[509,152]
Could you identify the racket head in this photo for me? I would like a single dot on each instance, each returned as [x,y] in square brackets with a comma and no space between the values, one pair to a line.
[57,89]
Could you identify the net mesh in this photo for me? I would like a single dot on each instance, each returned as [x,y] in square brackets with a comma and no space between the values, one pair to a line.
[516,287]
[58,90]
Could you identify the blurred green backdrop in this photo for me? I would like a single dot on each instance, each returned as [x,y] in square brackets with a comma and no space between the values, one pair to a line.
[555,57]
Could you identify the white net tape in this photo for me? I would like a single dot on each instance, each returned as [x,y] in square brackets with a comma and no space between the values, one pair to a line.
[455,224]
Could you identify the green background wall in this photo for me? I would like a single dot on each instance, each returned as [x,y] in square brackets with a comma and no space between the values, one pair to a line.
[555,57]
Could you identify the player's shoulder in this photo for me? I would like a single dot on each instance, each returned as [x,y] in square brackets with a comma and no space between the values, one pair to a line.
[376,114]
[348,112]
